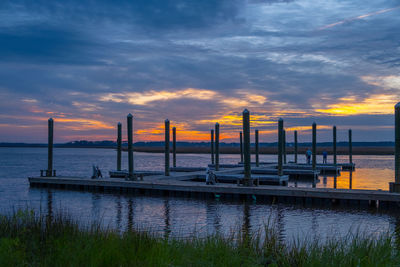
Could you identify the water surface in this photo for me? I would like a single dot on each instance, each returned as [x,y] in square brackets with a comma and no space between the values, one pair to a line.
[183,217]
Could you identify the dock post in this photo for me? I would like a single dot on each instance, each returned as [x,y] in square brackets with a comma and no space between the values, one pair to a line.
[314,146]
[350,148]
[241,147]
[246,148]
[257,149]
[217,146]
[119,144]
[395,186]
[174,146]
[284,146]
[130,145]
[166,147]
[334,146]
[49,171]
[212,146]
[295,146]
[280,140]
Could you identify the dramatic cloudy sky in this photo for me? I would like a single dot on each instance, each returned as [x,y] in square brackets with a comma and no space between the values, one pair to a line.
[88,64]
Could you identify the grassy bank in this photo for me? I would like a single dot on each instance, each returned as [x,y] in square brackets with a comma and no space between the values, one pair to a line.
[29,240]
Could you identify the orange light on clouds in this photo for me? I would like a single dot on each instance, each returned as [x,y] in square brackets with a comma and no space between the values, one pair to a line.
[144,98]
[79,124]
[236,120]
[374,104]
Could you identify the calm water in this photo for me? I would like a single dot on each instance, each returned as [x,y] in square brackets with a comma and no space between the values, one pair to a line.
[183,217]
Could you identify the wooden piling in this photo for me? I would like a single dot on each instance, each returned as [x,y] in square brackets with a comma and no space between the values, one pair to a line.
[166,164]
[284,146]
[130,145]
[314,145]
[334,146]
[280,140]
[295,146]
[350,147]
[241,147]
[174,146]
[212,146]
[397,143]
[119,146]
[50,148]
[217,146]
[246,148]
[257,148]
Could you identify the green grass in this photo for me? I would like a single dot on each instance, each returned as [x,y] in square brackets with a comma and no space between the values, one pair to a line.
[27,239]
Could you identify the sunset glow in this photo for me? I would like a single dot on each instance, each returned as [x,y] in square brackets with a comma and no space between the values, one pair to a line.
[333,63]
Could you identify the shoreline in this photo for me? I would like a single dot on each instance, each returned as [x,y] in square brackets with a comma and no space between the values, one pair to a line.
[270,150]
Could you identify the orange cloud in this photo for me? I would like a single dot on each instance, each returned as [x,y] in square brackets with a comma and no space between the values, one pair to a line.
[374,104]
[144,98]
[236,120]
[79,124]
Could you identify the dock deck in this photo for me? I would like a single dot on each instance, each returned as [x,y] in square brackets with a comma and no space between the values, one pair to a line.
[183,183]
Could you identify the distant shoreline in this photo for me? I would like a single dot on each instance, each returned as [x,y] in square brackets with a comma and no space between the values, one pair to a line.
[272,150]
[341,150]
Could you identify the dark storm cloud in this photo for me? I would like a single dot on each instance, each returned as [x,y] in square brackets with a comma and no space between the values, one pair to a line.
[154,14]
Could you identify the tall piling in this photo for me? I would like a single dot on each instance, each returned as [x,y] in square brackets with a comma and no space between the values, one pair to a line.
[280,140]
[174,146]
[395,186]
[246,148]
[350,147]
[295,146]
[314,146]
[130,145]
[257,148]
[241,147]
[397,143]
[212,147]
[334,146]
[217,146]
[284,146]
[166,163]
[50,147]
[119,146]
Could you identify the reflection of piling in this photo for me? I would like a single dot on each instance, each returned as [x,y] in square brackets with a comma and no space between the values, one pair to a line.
[295,146]
[280,140]
[217,146]
[314,145]
[334,145]
[119,143]
[130,144]
[246,147]
[50,148]
[241,147]
[335,181]
[395,187]
[166,164]
[351,179]
[174,146]
[257,149]
[284,146]
[212,146]
[350,148]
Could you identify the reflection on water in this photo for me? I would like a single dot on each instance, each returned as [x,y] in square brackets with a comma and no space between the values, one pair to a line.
[183,217]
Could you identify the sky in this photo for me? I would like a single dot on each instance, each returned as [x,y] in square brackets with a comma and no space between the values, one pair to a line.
[88,64]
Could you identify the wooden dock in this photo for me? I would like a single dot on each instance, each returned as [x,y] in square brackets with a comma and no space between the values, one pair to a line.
[182,183]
